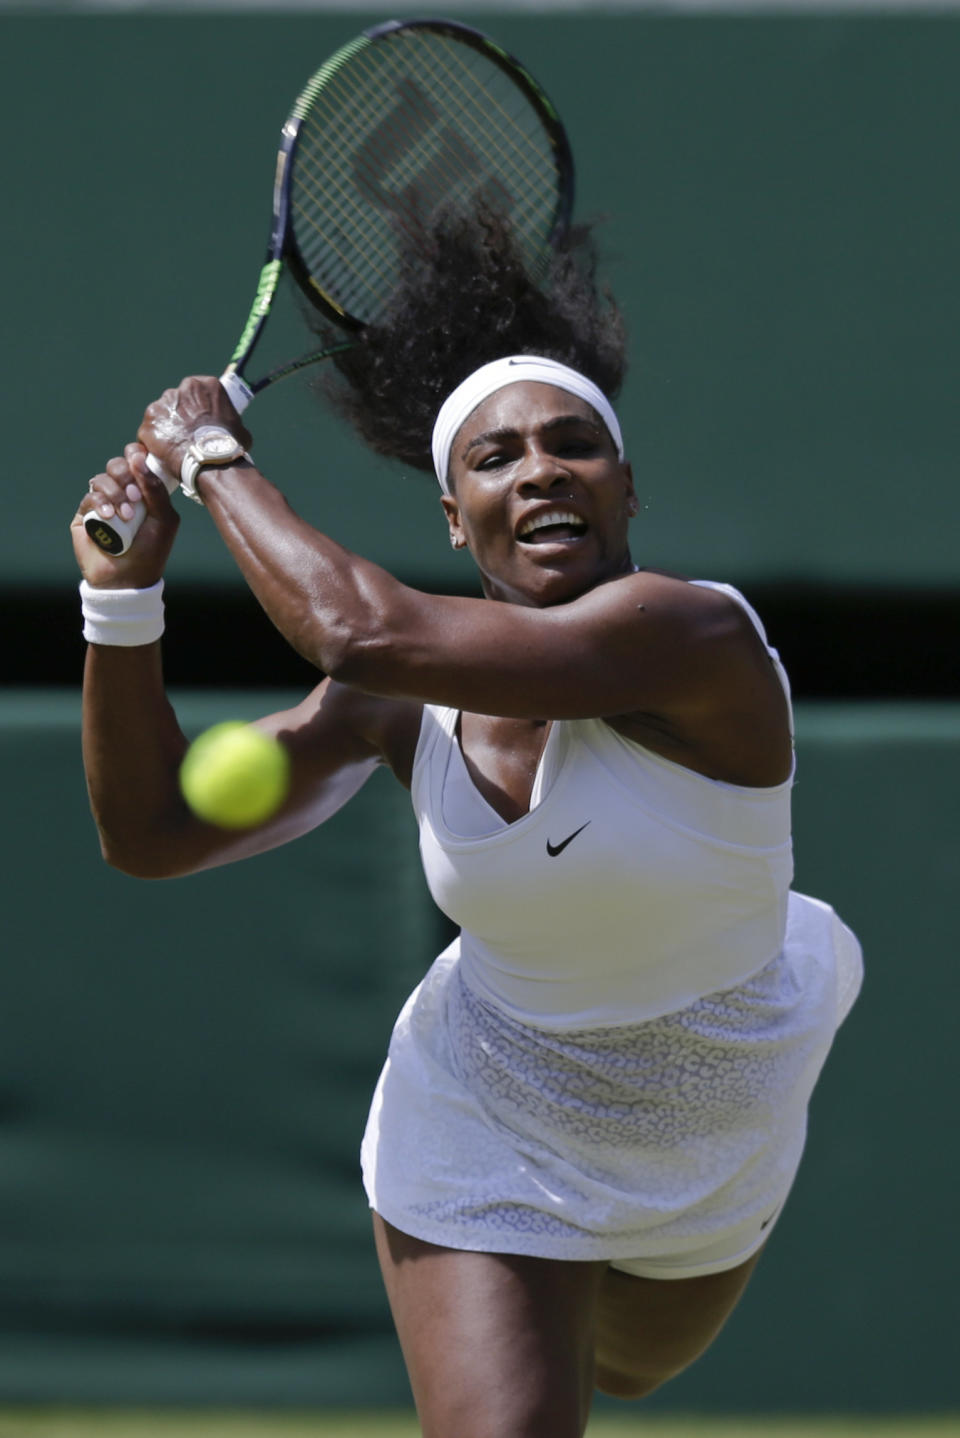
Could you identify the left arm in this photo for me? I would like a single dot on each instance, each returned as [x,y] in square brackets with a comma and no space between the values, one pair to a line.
[642,643]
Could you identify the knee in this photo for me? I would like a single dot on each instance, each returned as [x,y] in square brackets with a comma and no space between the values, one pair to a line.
[620,1383]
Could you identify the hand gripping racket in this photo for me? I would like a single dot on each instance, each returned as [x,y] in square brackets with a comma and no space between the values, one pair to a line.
[410,118]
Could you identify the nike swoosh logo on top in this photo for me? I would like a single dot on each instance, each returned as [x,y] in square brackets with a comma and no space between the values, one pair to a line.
[554,849]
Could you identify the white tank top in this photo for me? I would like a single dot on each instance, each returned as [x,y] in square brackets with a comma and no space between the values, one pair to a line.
[631,889]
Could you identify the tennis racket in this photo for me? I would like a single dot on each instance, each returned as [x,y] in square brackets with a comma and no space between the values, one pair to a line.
[410,118]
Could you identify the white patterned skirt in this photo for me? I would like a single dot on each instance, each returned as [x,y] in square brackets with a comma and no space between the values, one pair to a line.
[667,1147]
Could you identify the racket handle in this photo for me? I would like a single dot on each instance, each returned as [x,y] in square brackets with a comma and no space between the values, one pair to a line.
[238,391]
[115,536]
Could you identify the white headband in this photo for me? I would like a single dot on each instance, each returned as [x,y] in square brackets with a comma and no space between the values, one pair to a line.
[490,377]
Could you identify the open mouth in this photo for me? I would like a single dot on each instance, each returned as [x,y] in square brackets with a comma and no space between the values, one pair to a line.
[557,527]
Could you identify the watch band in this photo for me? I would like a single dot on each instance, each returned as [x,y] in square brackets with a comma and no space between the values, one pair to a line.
[194,462]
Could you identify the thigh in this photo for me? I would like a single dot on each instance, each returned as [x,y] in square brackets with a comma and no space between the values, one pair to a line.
[496,1345]
[649,1329]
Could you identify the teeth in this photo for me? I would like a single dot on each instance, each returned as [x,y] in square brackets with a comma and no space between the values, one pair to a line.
[555,516]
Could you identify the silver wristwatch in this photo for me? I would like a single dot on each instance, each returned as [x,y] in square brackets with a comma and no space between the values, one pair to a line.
[211,444]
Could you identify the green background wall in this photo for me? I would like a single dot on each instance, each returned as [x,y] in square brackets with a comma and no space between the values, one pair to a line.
[186,1068]
[783,224]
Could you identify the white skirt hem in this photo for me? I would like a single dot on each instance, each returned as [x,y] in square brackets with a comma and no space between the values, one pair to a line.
[670,1144]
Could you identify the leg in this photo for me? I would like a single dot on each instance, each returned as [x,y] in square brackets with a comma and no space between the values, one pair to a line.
[650,1329]
[496,1346]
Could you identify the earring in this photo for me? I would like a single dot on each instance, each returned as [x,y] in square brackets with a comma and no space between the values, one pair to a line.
[455,543]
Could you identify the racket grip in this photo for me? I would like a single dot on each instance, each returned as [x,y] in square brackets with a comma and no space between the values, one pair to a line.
[115,536]
[238,391]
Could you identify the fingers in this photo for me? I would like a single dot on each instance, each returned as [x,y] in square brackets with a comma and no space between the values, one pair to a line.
[124,483]
[169,423]
[153,491]
[126,480]
[115,491]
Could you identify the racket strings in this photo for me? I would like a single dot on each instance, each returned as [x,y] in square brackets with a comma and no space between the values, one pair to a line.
[468,100]
[455,101]
[341,224]
[332,205]
[334,137]
[469,93]
[377,233]
[510,128]
[390,139]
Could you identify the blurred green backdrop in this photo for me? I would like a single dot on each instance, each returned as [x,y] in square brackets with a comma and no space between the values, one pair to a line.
[186,1068]
[782,231]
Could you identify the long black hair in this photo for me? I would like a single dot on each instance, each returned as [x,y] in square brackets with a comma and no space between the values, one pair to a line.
[467,300]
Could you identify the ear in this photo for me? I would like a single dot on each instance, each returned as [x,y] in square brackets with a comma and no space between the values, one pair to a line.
[452,510]
[633,504]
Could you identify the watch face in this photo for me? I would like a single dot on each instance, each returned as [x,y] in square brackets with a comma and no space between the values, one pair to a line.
[216,443]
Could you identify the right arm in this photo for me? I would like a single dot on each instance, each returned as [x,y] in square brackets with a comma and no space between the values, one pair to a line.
[133,743]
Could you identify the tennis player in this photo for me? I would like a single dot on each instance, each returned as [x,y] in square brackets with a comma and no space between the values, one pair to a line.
[594,1104]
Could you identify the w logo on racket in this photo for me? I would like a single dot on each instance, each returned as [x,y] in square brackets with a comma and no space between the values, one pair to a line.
[414,160]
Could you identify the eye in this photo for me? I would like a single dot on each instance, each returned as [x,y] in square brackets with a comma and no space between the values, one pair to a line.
[492,461]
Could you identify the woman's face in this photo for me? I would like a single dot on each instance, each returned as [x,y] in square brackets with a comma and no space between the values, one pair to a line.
[539,495]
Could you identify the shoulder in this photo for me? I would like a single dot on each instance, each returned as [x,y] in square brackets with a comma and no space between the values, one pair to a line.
[708,621]
[727,714]
[690,595]
[708,608]
[687,613]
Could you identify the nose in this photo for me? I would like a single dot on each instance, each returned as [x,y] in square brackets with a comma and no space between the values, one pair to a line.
[540,471]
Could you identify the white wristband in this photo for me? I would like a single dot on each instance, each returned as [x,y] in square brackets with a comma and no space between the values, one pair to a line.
[126,617]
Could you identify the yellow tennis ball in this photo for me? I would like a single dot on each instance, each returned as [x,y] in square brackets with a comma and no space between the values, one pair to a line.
[234,775]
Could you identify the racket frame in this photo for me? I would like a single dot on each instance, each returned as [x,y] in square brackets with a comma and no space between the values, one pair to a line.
[283,251]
